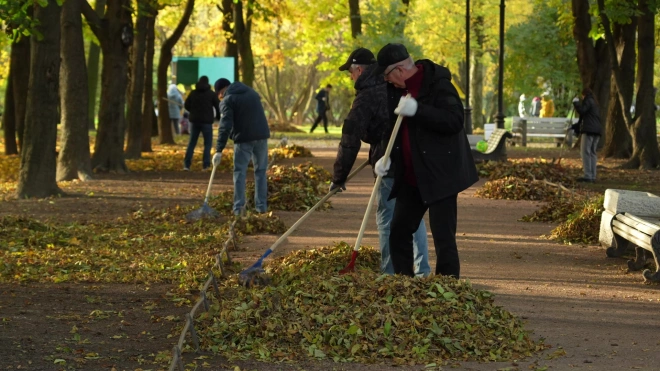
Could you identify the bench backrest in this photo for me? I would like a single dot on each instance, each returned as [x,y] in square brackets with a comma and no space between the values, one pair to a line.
[545,125]
[494,140]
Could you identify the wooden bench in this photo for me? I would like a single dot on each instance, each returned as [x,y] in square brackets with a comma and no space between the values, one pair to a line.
[642,233]
[496,150]
[558,128]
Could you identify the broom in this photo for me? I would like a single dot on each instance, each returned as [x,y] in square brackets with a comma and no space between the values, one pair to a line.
[206,210]
[249,276]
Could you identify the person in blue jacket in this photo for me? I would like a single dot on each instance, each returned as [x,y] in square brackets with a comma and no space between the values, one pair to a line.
[242,119]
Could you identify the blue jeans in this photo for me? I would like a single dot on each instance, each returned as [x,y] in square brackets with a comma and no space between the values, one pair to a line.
[383,220]
[207,132]
[588,147]
[256,150]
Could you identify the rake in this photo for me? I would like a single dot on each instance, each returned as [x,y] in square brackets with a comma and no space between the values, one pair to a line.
[351,265]
[251,275]
[206,211]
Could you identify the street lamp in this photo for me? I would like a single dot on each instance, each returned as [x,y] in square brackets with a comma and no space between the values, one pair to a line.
[499,119]
[468,109]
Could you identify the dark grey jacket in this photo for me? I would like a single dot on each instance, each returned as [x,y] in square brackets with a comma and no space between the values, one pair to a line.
[589,122]
[440,150]
[365,122]
[201,103]
[242,116]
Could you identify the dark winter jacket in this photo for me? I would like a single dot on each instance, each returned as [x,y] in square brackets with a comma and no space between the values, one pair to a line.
[589,122]
[441,156]
[243,119]
[321,103]
[366,122]
[201,104]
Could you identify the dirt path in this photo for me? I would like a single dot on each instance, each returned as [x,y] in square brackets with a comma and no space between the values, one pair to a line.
[594,315]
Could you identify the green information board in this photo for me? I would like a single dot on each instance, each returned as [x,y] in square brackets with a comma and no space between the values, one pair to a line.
[188,70]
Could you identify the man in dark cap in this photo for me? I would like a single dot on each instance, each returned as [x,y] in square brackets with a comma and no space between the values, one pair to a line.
[432,156]
[203,106]
[367,121]
[243,120]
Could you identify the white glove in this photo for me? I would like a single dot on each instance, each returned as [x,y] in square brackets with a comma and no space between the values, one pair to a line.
[216,159]
[407,107]
[576,99]
[382,166]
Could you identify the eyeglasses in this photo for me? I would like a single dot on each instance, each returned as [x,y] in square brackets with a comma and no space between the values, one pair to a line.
[385,74]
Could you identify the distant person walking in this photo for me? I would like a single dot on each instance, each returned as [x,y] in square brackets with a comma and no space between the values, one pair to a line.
[536,107]
[322,107]
[522,112]
[590,130]
[201,104]
[244,121]
[547,106]
[174,106]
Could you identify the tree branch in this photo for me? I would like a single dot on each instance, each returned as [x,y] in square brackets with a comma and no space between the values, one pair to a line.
[91,17]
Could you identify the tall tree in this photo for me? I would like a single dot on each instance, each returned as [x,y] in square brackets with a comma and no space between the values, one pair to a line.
[74,159]
[477,54]
[93,59]
[115,33]
[356,20]
[231,48]
[641,125]
[37,174]
[243,36]
[164,123]
[9,119]
[148,96]
[618,142]
[593,59]
[20,54]
[136,85]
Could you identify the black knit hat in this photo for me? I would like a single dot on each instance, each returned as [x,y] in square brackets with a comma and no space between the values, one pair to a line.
[358,56]
[389,55]
[221,84]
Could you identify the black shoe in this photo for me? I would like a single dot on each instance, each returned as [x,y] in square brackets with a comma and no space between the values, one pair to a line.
[586,180]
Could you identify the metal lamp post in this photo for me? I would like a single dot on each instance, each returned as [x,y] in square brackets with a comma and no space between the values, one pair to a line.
[499,119]
[468,109]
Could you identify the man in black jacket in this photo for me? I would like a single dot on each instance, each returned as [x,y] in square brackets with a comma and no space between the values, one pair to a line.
[322,107]
[432,156]
[367,122]
[244,121]
[590,129]
[203,106]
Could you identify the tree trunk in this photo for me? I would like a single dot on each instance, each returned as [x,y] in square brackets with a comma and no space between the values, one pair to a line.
[9,119]
[618,142]
[93,69]
[114,33]
[356,19]
[148,97]
[646,154]
[20,55]
[242,32]
[136,86]
[37,174]
[477,73]
[164,123]
[231,48]
[74,159]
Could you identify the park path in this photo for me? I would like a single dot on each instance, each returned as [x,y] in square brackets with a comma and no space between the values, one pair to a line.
[573,296]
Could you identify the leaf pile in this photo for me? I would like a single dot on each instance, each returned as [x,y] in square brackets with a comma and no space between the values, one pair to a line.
[513,188]
[309,311]
[290,151]
[529,169]
[170,158]
[290,188]
[582,225]
[147,246]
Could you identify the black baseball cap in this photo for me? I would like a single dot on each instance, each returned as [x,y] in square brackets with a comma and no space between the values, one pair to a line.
[358,56]
[389,55]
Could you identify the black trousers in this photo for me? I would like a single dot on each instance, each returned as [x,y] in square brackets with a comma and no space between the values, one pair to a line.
[408,212]
[321,116]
